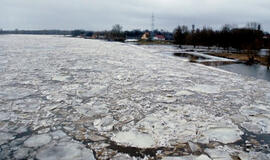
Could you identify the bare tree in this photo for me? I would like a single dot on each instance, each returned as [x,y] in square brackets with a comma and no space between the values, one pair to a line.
[117,29]
[117,34]
[253,25]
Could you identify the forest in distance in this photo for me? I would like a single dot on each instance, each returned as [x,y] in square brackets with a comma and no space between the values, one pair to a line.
[251,37]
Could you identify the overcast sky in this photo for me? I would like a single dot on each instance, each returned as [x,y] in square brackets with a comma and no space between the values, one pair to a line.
[131,14]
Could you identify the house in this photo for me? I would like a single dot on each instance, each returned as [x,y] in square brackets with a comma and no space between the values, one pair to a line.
[98,36]
[159,37]
[145,36]
[94,36]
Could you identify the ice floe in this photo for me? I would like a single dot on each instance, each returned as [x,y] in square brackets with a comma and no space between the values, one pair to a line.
[65,151]
[204,88]
[5,137]
[258,118]
[224,135]
[104,124]
[38,140]
[134,139]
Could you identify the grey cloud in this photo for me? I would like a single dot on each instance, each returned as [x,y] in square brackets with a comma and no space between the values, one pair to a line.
[102,14]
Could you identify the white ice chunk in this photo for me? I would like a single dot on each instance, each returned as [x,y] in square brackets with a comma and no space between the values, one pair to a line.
[94,91]
[223,134]
[60,78]
[104,124]
[218,154]
[15,93]
[259,118]
[37,140]
[184,93]
[205,88]
[202,157]
[4,116]
[91,110]
[5,137]
[135,139]
[21,153]
[65,151]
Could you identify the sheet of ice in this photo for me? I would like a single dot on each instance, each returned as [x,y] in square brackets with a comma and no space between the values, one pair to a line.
[254,156]
[22,153]
[217,154]
[4,116]
[62,78]
[105,123]
[15,93]
[184,93]
[5,137]
[120,156]
[201,157]
[258,118]
[91,109]
[204,88]
[94,91]
[65,151]
[89,90]
[179,158]
[135,139]
[167,127]
[224,135]
[37,140]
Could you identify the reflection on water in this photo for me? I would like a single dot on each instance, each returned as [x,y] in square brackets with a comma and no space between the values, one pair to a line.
[218,63]
[264,52]
[255,70]
[190,56]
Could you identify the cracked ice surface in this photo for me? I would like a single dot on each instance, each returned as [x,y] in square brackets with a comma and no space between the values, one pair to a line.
[37,141]
[134,139]
[73,98]
[65,151]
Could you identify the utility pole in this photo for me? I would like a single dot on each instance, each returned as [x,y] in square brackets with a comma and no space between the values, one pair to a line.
[152,26]
[153,22]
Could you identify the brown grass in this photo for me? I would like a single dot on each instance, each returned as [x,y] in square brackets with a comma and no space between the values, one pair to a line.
[243,57]
[155,42]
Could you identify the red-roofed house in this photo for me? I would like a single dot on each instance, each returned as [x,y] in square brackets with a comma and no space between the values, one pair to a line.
[159,37]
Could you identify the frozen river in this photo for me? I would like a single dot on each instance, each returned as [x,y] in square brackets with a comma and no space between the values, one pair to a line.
[68,98]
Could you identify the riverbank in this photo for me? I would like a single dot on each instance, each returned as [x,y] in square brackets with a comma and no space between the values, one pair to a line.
[155,42]
[248,58]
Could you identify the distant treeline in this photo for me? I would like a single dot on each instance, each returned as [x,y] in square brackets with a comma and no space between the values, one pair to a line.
[250,37]
[44,32]
[117,34]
